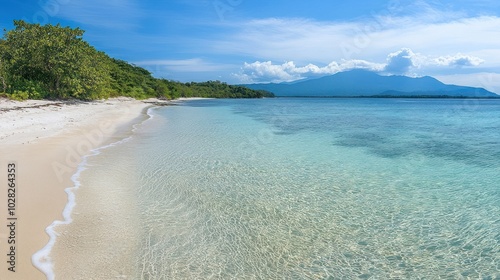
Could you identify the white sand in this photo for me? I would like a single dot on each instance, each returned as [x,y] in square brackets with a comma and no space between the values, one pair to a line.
[47,140]
[29,121]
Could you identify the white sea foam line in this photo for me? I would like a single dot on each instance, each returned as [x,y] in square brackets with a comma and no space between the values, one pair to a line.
[41,259]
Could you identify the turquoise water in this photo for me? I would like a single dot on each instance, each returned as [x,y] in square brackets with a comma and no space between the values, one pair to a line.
[319,189]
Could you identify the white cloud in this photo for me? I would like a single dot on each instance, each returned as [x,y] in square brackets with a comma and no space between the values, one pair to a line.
[267,70]
[405,60]
[459,60]
[288,71]
[400,62]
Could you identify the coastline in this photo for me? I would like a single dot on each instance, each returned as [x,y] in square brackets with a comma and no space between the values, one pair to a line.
[47,141]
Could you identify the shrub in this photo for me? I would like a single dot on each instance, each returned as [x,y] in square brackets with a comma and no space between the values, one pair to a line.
[19,95]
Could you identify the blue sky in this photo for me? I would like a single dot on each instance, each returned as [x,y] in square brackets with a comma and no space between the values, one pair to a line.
[243,41]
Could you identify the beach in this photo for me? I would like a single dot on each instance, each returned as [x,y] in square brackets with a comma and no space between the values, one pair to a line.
[41,146]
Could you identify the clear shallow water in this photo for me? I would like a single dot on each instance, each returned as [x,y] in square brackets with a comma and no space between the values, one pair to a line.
[319,189]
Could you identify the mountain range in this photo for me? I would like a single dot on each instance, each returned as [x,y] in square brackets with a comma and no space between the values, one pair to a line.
[363,83]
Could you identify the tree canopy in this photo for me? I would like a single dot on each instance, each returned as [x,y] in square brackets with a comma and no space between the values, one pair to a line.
[54,62]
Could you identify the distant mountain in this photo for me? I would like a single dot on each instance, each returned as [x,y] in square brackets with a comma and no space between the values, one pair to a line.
[356,83]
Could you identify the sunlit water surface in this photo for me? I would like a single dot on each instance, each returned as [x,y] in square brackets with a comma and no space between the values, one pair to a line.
[318,189]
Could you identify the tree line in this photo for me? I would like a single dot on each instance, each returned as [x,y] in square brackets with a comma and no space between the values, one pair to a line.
[54,62]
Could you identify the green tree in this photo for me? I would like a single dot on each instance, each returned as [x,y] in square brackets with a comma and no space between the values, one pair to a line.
[55,58]
[133,81]
[3,70]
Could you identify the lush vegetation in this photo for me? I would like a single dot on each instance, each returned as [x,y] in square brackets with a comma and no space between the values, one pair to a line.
[54,62]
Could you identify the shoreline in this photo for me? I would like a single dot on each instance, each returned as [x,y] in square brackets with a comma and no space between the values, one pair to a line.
[49,141]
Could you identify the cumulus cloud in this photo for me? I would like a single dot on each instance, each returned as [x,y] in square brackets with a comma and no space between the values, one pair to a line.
[267,71]
[400,62]
[458,60]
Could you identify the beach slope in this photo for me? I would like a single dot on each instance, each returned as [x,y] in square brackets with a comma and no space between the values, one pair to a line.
[41,146]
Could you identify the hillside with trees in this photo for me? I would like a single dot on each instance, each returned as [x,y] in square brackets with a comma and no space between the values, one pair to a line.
[54,62]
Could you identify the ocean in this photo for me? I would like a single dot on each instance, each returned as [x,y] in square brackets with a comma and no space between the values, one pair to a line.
[293,188]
